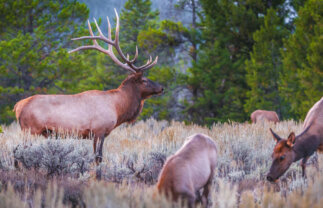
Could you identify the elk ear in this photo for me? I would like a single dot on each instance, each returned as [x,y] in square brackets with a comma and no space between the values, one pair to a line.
[291,139]
[275,136]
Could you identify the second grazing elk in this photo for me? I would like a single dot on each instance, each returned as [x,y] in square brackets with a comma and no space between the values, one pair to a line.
[92,112]
[190,169]
[263,115]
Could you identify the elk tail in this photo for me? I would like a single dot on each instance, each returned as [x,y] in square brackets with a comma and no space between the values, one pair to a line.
[17,109]
[19,106]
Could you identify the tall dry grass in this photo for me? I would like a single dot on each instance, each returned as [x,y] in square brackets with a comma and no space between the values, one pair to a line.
[60,172]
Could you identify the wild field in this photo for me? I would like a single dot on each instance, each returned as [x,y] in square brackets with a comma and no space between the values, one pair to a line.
[60,172]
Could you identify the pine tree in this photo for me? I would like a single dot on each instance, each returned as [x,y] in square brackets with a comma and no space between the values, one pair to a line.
[265,65]
[192,32]
[139,25]
[218,76]
[136,16]
[302,77]
[34,36]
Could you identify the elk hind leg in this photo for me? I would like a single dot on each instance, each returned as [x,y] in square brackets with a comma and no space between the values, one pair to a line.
[316,161]
[189,198]
[303,165]
[95,141]
[206,192]
[99,150]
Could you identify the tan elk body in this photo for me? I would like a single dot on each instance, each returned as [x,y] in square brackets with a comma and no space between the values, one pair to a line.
[91,113]
[294,148]
[190,169]
[264,115]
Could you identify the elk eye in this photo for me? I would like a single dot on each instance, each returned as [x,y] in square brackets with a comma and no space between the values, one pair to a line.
[282,157]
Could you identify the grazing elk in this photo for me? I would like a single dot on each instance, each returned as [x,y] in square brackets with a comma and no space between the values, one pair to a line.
[262,115]
[93,112]
[190,169]
[294,148]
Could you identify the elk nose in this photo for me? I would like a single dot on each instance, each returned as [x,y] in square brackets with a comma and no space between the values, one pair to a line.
[269,178]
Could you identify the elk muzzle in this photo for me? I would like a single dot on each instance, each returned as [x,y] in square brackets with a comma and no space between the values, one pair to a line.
[270,178]
[157,88]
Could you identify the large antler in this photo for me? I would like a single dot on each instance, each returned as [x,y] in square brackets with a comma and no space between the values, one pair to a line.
[129,64]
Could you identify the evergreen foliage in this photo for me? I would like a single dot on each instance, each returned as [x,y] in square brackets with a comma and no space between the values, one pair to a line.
[140,26]
[234,56]
[302,76]
[33,55]
[265,65]
[218,75]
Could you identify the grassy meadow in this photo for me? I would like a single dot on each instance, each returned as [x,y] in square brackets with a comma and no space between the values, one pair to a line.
[60,172]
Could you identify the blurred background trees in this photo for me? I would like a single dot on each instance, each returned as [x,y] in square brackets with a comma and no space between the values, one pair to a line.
[34,36]
[218,60]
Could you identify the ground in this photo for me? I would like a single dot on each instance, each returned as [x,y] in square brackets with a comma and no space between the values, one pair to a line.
[60,172]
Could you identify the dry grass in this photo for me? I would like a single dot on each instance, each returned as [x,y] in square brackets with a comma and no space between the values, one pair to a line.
[133,156]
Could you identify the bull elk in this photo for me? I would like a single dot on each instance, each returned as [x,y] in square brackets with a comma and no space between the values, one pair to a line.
[294,148]
[262,115]
[190,169]
[93,112]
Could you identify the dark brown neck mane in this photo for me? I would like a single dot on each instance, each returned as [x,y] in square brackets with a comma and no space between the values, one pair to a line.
[130,102]
[306,144]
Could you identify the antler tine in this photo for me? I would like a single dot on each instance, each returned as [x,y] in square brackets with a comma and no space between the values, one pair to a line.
[109,34]
[91,32]
[116,40]
[97,26]
[151,65]
[136,56]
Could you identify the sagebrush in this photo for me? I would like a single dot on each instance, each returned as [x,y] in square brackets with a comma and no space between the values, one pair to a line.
[60,172]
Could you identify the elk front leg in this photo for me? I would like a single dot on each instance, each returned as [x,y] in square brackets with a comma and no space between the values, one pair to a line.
[95,141]
[206,192]
[98,152]
[98,156]
[189,198]
[303,165]
[316,161]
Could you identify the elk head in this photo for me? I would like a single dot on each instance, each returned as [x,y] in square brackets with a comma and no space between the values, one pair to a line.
[146,87]
[283,156]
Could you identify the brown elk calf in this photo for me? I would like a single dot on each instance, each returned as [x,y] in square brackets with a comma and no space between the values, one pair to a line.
[190,169]
[262,115]
[92,112]
[294,148]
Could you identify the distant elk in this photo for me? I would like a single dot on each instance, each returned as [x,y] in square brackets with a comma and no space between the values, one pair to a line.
[294,148]
[263,115]
[91,113]
[190,169]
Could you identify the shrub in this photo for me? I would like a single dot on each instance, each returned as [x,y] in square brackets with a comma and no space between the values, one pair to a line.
[55,157]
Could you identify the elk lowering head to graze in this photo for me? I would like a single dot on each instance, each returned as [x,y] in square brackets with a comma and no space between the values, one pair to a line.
[92,112]
[190,169]
[263,115]
[294,148]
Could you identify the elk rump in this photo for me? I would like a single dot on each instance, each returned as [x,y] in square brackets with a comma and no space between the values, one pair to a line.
[190,169]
